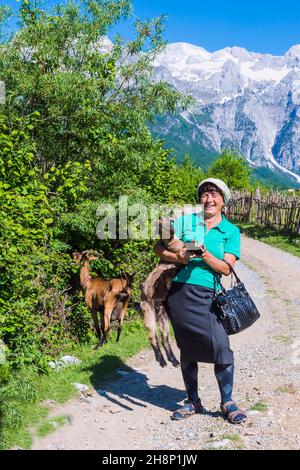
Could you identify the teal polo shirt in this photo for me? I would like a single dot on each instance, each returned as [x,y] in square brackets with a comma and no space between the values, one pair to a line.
[223,238]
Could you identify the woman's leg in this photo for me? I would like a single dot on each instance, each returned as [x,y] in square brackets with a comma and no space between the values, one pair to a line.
[193,404]
[224,376]
[190,377]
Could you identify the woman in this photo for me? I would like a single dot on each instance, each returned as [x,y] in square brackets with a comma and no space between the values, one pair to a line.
[199,334]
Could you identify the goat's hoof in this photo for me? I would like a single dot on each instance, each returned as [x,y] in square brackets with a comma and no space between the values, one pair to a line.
[99,345]
[163,363]
[176,363]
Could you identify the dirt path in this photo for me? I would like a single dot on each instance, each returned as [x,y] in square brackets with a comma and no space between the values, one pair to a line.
[134,411]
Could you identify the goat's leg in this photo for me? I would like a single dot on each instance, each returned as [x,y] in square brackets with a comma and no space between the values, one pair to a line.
[150,323]
[96,323]
[119,315]
[122,312]
[108,308]
[102,324]
[165,334]
[119,331]
[93,306]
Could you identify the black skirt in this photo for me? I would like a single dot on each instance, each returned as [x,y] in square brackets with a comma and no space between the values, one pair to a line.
[199,334]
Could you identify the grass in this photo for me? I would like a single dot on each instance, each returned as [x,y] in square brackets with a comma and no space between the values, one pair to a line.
[235,439]
[23,397]
[232,437]
[285,339]
[290,388]
[237,442]
[259,406]
[49,426]
[280,239]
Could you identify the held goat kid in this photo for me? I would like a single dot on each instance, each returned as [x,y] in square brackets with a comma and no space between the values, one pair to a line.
[109,297]
[154,292]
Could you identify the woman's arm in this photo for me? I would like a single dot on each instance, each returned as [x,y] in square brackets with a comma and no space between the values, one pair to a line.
[182,257]
[217,264]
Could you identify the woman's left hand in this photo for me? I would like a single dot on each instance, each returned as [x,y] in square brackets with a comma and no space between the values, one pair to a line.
[184,256]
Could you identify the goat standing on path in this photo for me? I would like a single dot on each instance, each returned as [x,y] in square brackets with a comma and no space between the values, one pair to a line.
[110,297]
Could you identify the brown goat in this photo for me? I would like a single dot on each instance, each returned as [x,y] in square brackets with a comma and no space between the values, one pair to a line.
[154,292]
[110,297]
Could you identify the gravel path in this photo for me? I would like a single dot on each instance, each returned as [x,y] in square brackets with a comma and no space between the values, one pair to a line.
[134,411]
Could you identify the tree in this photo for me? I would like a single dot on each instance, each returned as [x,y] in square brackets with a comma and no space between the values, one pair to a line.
[73,134]
[231,167]
[93,101]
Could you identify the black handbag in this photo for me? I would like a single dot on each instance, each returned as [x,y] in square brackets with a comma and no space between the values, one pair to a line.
[235,308]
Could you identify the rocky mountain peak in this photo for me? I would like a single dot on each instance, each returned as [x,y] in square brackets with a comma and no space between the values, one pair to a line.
[250,100]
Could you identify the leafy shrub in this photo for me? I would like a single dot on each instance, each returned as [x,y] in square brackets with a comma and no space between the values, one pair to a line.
[233,168]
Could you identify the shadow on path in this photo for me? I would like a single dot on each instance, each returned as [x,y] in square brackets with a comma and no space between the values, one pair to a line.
[132,387]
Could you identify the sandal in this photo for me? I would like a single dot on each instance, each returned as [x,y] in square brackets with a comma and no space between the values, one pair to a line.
[188,409]
[236,415]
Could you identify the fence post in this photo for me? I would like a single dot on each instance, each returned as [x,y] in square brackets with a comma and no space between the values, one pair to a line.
[257,203]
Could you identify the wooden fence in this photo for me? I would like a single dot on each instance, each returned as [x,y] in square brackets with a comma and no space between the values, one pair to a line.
[275,209]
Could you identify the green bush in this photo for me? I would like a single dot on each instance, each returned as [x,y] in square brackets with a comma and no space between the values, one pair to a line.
[73,135]
[233,168]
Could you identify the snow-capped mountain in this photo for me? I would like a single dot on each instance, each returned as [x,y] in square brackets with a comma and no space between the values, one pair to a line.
[242,99]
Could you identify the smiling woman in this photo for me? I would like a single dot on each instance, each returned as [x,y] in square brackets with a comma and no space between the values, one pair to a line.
[221,238]
[191,305]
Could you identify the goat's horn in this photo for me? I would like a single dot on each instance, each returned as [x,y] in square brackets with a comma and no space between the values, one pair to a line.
[95,253]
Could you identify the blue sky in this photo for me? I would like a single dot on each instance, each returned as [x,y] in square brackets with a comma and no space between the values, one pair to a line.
[259,25]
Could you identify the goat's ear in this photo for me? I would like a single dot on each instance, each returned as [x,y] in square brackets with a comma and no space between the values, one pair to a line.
[93,257]
[77,256]
[130,278]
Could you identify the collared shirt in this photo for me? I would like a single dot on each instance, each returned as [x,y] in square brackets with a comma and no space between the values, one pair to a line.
[221,239]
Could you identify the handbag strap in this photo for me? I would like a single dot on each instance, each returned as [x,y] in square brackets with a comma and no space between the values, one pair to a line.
[218,276]
[233,271]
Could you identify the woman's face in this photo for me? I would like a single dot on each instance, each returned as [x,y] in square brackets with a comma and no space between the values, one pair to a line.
[213,202]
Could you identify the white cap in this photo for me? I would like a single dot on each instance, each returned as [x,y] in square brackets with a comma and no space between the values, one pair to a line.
[220,184]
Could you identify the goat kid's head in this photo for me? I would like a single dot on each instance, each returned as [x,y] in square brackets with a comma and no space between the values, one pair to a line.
[166,228]
[87,255]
